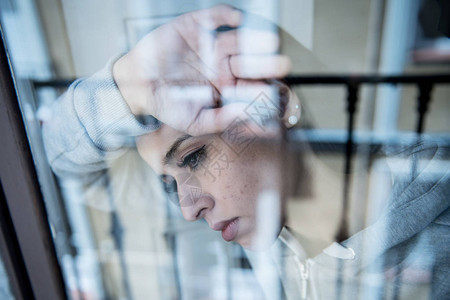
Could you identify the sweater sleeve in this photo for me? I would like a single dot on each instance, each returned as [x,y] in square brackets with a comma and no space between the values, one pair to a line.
[91,124]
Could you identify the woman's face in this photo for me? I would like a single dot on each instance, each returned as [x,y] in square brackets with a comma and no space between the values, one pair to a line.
[222,178]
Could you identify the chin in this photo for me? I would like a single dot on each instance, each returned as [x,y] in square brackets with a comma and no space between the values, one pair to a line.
[255,243]
[245,244]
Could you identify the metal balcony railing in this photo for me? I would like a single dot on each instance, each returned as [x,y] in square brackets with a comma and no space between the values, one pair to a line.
[424,83]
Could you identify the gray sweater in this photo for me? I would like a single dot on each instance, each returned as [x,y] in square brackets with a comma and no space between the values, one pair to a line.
[91,124]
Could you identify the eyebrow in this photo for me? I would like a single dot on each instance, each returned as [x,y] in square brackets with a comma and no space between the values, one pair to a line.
[173,149]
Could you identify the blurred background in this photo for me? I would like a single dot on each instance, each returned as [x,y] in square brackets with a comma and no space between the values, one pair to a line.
[124,243]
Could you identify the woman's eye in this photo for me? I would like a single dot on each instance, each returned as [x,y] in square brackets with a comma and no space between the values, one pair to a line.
[194,160]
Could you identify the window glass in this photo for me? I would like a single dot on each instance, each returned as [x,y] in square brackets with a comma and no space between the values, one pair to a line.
[5,289]
[187,149]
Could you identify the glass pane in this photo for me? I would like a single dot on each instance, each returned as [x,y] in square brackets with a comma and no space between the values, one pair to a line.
[5,289]
[196,151]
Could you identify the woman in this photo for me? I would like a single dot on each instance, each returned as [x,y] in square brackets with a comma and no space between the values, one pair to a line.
[187,92]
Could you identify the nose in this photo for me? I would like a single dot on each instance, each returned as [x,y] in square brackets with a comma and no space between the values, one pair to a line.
[198,209]
[194,202]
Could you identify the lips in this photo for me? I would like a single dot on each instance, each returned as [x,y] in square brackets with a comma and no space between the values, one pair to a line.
[229,229]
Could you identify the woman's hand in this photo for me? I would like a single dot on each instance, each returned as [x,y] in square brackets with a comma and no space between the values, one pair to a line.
[187,72]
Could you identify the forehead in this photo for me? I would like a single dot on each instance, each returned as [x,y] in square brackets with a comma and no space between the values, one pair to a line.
[153,146]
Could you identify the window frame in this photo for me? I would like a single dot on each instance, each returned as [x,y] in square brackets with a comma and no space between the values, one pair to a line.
[26,243]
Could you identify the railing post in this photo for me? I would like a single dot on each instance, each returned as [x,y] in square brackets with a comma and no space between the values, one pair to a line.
[352,98]
[422,105]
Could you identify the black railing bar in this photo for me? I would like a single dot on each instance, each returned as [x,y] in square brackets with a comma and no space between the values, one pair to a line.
[352,99]
[423,100]
[312,79]
[366,79]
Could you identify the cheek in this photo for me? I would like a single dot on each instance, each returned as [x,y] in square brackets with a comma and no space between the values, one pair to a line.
[243,190]
[236,181]
[245,180]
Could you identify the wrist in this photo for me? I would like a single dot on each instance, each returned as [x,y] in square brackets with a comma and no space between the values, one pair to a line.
[133,86]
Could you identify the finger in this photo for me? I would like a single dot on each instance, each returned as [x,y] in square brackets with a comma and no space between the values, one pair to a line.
[259,66]
[247,91]
[246,41]
[258,22]
[214,17]
[265,100]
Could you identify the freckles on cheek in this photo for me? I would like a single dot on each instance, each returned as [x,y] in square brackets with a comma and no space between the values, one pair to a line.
[245,191]
[241,183]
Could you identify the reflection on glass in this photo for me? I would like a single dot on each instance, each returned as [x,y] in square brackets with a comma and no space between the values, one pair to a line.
[195,123]
[5,290]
